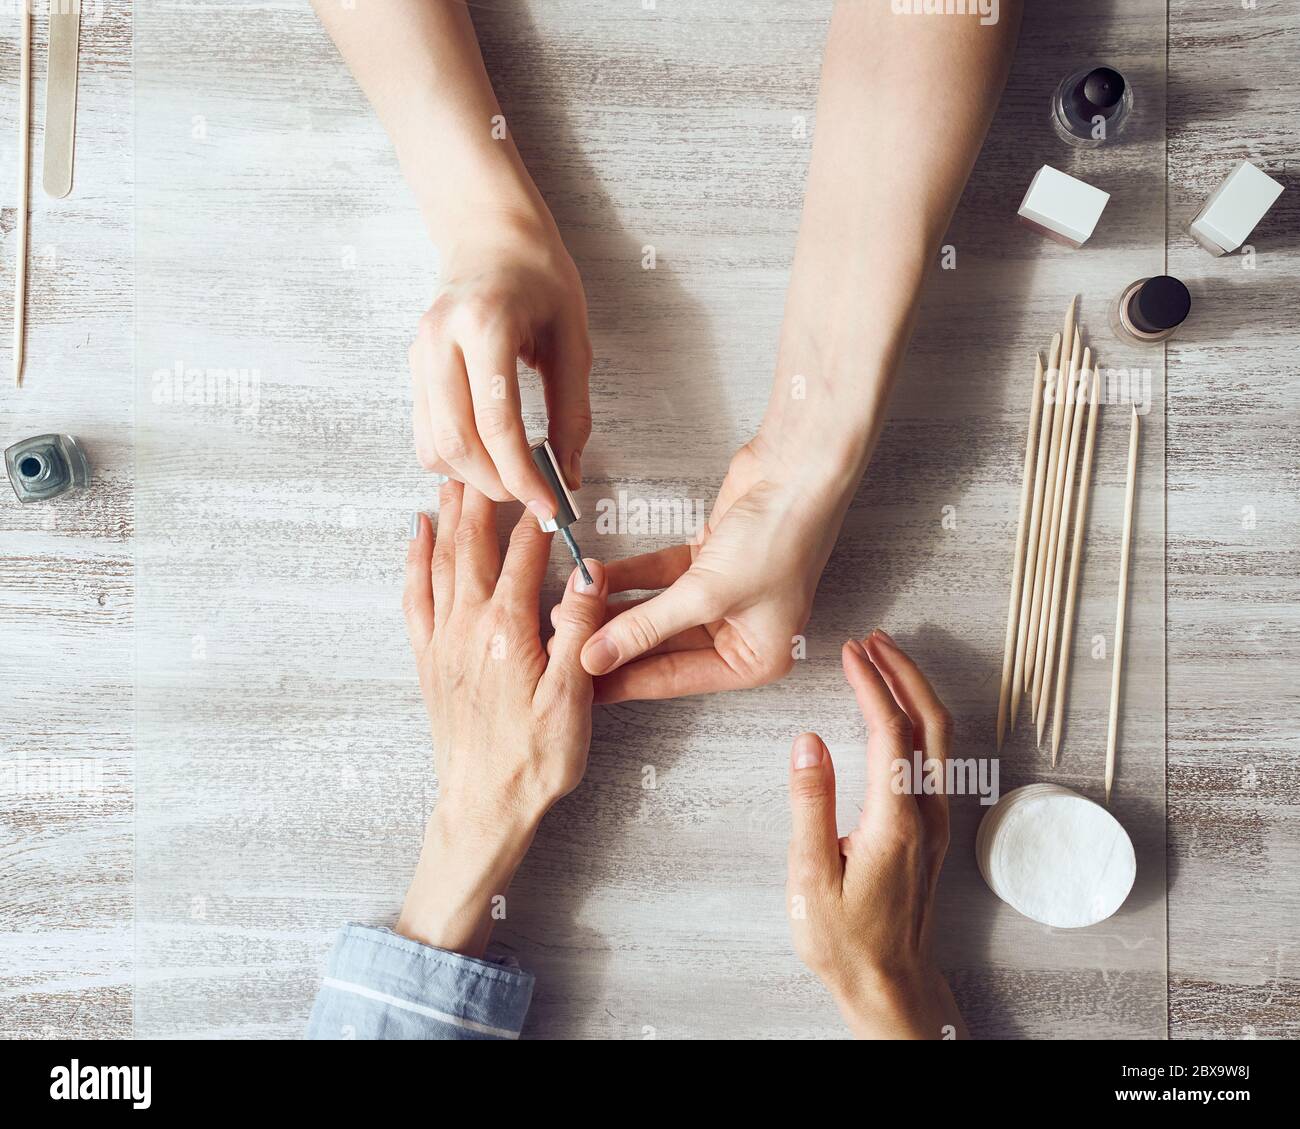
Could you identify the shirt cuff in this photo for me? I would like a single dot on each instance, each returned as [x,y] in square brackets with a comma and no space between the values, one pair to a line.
[379,985]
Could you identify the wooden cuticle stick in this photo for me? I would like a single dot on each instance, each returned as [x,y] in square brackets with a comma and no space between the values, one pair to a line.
[1117,668]
[1018,563]
[1046,669]
[24,162]
[1058,408]
[1056,488]
[1035,519]
[1076,557]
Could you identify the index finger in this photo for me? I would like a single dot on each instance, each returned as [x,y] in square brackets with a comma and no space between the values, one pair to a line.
[889,740]
[498,417]
[649,571]
[930,719]
[931,722]
[672,674]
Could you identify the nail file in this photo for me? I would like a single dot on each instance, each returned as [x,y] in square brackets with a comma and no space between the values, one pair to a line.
[566,508]
[61,96]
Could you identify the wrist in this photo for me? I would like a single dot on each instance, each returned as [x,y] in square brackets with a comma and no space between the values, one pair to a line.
[466,182]
[826,410]
[820,455]
[499,233]
[897,1005]
[467,862]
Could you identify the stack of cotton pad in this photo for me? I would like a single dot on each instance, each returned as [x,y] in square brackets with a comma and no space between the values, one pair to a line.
[1055,856]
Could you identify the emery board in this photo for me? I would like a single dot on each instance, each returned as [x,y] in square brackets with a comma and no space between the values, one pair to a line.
[61,97]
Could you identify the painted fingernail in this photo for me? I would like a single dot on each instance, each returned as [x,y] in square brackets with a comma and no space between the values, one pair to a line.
[541,510]
[601,655]
[415,525]
[807,751]
[597,575]
[575,470]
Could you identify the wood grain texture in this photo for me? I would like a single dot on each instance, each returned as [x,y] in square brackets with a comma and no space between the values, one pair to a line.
[639,907]
[304,260]
[66,571]
[1234,531]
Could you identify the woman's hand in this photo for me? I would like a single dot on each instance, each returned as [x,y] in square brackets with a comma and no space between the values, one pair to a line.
[737,600]
[509,288]
[510,291]
[511,726]
[862,907]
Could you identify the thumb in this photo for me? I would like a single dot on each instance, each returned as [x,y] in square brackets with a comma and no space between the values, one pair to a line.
[814,842]
[643,627]
[579,613]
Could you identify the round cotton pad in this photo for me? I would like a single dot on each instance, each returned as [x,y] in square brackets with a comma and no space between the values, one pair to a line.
[1056,856]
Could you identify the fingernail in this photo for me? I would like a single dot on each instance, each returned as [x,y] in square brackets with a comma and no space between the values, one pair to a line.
[415,525]
[601,655]
[541,510]
[807,751]
[881,633]
[597,576]
[856,647]
[575,470]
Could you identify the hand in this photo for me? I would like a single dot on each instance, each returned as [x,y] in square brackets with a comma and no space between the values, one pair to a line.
[509,292]
[511,727]
[862,907]
[735,601]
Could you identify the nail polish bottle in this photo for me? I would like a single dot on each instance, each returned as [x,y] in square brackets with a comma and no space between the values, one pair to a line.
[1150,310]
[46,466]
[1091,107]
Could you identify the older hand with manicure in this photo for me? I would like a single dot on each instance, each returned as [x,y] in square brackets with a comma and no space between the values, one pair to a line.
[862,905]
[511,725]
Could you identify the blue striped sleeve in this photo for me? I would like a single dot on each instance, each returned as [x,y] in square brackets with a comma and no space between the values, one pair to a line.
[381,986]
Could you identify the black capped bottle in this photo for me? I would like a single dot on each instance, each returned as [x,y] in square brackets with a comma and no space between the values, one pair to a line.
[1091,107]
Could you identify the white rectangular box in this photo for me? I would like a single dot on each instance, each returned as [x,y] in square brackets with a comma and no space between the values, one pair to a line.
[1062,207]
[1234,209]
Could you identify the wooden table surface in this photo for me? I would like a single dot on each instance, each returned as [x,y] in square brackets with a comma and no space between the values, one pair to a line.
[75,579]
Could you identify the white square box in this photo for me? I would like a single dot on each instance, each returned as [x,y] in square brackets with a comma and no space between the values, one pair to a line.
[1234,209]
[1062,207]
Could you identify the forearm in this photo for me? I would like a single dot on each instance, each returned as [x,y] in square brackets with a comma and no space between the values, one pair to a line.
[904,105]
[419,64]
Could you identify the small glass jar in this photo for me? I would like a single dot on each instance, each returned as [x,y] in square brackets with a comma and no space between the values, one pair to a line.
[1150,310]
[1091,107]
[46,466]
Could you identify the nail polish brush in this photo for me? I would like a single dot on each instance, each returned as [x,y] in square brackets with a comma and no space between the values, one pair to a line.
[566,508]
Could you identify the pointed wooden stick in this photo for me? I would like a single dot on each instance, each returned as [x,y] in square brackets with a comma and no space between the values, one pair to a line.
[1054,443]
[1052,509]
[1116,670]
[1076,556]
[1043,681]
[1039,615]
[1035,520]
[1018,562]
[24,159]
